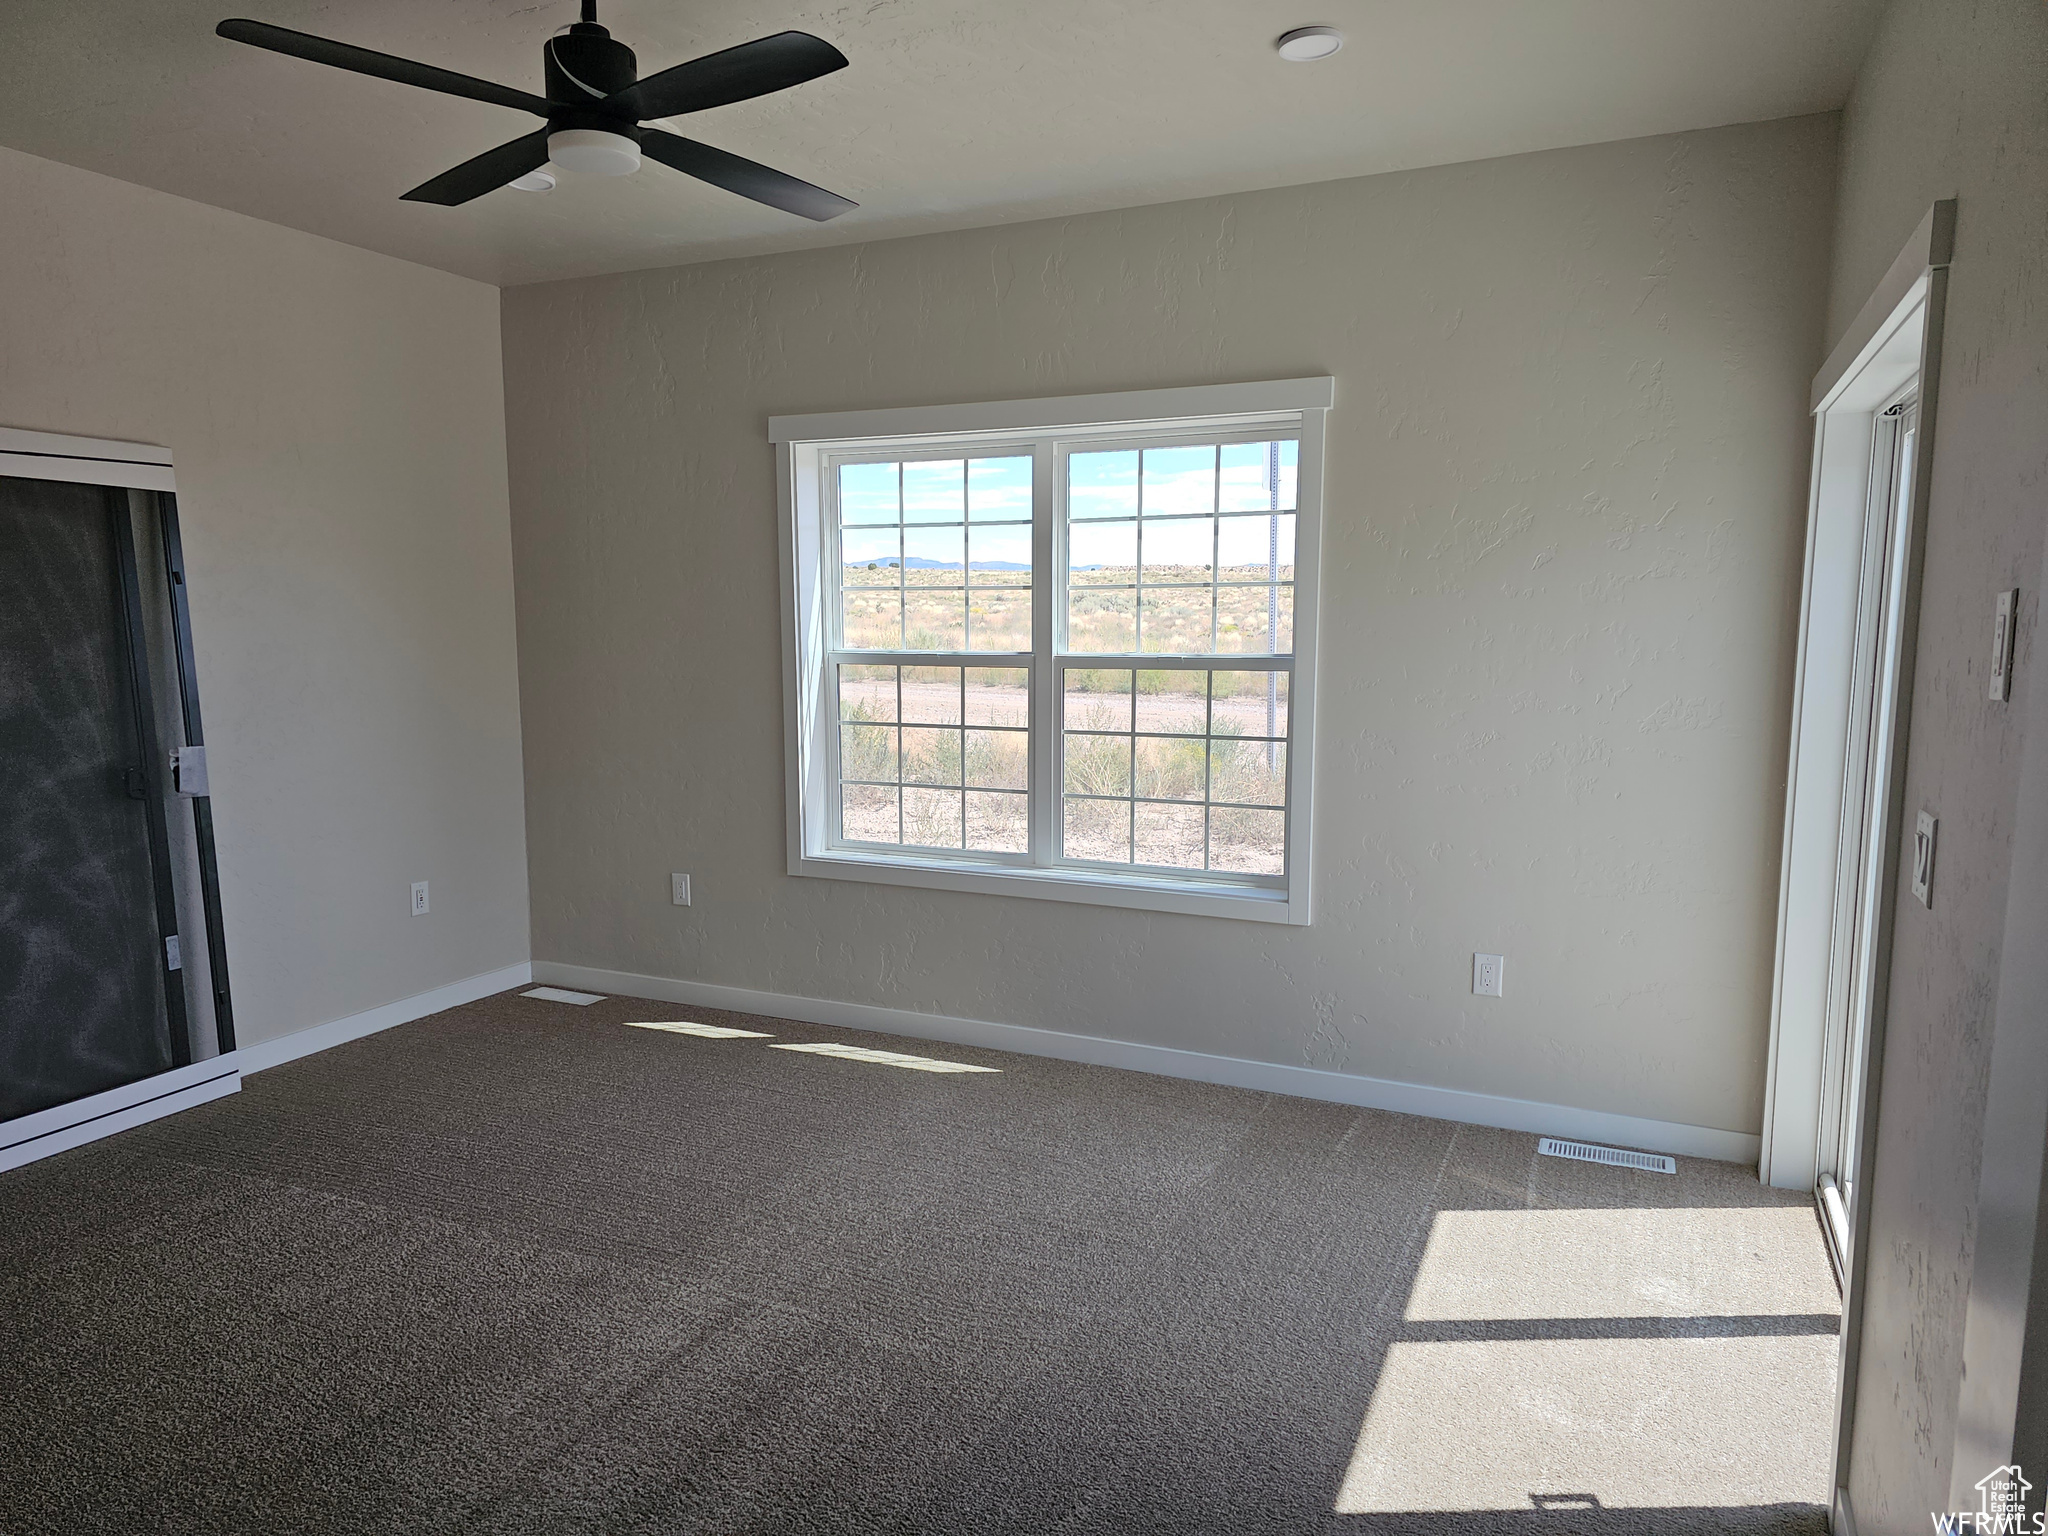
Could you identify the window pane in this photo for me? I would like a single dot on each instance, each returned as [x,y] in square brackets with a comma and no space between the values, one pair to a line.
[867,693]
[1170,768]
[1183,549]
[1173,702]
[1249,483]
[1098,765]
[935,491]
[867,493]
[931,817]
[1097,699]
[999,490]
[999,557]
[931,755]
[867,814]
[873,621]
[1247,842]
[936,550]
[1102,484]
[998,823]
[1168,834]
[1176,620]
[931,695]
[1102,554]
[999,619]
[1255,547]
[867,751]
[1249,703]
[1098,830]
[935,618]
[998,760]
[1250,772]
[1180,480]
[1102,619]
[1246,616]
[998,696]
[868,557]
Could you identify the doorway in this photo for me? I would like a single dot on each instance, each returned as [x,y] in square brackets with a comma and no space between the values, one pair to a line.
[114,997]
[1874,405]
[90,996]
[1867,829]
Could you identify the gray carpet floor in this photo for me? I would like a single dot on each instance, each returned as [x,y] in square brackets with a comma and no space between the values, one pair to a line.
[519,1268]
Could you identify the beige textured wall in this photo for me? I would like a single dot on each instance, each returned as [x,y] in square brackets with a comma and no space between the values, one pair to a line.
[1565,510]
[1951,102]
[337,424]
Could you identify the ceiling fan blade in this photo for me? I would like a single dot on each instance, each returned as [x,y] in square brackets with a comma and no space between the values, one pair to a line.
[303,45]
[745,177]
[486,173]
[733,74]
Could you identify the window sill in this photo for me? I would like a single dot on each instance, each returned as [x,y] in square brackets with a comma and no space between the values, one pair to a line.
[1249,904]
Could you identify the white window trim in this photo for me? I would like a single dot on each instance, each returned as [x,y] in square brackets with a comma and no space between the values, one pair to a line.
[802,444]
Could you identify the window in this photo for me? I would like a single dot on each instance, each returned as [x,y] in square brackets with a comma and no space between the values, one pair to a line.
[1058,648]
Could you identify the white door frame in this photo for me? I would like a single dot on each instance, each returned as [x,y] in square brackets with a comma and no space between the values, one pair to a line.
[1895,338]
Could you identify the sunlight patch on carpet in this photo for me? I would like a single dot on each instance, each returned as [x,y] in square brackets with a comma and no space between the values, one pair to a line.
[706,1031]
[884,1058]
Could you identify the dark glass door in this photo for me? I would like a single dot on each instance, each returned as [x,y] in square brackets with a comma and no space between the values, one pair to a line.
[87,997]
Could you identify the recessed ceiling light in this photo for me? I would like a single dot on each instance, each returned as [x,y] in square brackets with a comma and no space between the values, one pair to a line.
[533,181]
[1304,45]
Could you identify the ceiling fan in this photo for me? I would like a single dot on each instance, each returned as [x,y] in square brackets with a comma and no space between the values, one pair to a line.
[596,108]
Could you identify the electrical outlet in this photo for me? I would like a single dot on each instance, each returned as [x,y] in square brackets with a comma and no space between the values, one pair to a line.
[419,898]
[1486,975]
[679,890]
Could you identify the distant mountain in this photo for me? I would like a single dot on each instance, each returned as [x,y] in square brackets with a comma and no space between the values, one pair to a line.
[919,563]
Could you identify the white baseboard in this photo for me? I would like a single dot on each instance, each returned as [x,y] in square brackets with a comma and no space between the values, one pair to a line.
[71,1125]
[30,1137]
[321,1037]
[1166,1061]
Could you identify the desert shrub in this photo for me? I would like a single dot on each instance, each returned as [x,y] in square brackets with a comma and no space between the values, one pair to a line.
[998,759]
[1174,768]
[867,751]
[932,757]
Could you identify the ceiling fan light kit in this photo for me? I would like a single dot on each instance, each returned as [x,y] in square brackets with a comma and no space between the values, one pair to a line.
[594,151]
[595,107]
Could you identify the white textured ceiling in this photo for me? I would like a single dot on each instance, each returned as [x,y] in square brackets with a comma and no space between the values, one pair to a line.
[954,113]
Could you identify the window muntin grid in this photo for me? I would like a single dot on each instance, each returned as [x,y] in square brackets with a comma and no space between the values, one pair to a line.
[934,757]
[934,553]
[1180,548]
[1182,769]
[1241,503]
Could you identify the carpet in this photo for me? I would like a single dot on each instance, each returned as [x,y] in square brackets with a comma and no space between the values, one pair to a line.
[518,1267]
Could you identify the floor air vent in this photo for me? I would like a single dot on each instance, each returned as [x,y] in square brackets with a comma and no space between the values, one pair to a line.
[1614,1157]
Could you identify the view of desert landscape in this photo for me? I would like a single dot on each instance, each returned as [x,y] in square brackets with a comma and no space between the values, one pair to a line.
[1185,551]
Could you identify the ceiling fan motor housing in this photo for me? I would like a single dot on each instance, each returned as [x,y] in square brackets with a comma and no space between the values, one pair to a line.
[583,66]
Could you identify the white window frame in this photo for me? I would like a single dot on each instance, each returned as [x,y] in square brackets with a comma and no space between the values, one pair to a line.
[807,445]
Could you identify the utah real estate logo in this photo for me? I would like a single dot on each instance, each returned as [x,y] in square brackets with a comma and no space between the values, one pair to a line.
[2001,1509]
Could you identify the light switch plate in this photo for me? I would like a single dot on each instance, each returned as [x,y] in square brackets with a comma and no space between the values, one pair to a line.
[2004,613]
[1923,859]
[419,898]
[679,890]
[1486,975]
